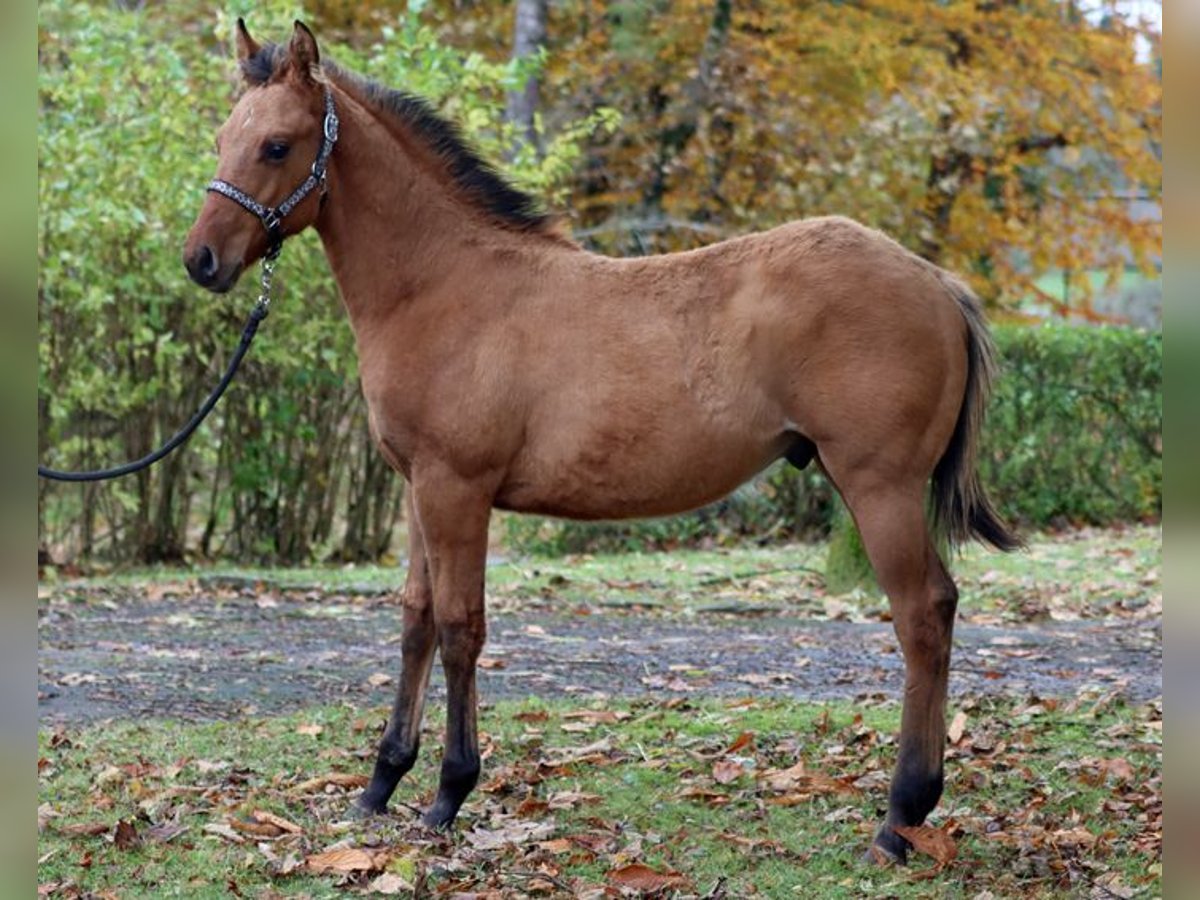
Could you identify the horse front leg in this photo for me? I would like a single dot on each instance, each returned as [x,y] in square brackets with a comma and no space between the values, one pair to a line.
[454,517]
[402,737]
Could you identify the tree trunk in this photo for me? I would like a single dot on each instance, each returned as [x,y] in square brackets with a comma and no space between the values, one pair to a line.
[529,34]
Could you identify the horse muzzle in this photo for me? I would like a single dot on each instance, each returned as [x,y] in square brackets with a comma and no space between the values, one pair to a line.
[205,267]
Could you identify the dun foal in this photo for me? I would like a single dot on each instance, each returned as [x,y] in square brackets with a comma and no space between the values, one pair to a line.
[506,367]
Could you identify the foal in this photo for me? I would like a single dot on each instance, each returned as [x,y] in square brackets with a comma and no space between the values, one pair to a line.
[505,367]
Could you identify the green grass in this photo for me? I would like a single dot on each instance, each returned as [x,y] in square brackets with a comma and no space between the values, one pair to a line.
[1080,574]
[1041,801]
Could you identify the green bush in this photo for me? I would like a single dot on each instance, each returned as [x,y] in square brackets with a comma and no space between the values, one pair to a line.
[1074,436]
[1074,431]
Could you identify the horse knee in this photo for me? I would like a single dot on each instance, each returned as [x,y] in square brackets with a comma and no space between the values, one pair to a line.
[461,641]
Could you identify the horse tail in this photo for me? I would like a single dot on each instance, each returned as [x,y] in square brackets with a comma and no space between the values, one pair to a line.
[961,508]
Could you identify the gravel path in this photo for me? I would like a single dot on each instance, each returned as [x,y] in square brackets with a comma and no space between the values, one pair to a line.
[217,657]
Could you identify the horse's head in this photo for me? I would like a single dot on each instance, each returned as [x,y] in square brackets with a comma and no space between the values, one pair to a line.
[276,139]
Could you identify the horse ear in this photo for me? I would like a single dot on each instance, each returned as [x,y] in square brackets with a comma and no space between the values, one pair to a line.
[302,51]
[247,46]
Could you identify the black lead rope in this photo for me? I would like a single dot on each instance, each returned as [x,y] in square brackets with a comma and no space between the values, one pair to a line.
[252,322]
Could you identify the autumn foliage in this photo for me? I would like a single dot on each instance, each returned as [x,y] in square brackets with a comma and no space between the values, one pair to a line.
[1002,140]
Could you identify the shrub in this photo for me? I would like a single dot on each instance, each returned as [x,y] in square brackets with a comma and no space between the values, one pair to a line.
[1074,432]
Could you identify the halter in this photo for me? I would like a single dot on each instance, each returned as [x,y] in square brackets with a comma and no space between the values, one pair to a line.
[272,217]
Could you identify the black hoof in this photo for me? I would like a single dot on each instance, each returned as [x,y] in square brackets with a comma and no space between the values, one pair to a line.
[887,849]
[363,809]
[439,817]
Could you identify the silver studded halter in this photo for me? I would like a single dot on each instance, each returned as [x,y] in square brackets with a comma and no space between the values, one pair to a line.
[272,217]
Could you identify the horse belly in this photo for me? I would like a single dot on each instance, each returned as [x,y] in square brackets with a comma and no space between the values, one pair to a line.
[643,475]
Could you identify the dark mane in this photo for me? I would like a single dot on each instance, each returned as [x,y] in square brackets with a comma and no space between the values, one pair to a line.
[478,179]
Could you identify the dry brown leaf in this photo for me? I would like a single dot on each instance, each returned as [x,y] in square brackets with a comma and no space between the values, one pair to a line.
[351,859]
[269,818]
[639,877]
[570,799]
[337,779]
[930,841]
[957,726]
[125,836]
[598,716]
[83,829]
[784,779]
[389,883]
[254,828]
[222,830]
[379,679]
[311,729]
[726,771]
[712,798]
[742,740]
[491,662]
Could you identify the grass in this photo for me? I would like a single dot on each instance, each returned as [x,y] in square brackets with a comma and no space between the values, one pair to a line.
[1044,798]
[577,794]
[1080,574]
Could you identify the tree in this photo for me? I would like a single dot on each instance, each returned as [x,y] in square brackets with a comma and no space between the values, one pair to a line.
[529,36]
[1000,139]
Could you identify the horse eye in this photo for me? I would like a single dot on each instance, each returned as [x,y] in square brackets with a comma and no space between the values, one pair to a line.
[275,151]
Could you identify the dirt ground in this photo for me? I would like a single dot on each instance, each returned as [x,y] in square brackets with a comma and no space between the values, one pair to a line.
[222,652]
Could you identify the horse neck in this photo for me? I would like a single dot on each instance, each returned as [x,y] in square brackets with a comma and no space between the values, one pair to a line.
[393,228]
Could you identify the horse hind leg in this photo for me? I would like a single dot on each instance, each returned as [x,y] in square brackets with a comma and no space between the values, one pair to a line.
[892,521]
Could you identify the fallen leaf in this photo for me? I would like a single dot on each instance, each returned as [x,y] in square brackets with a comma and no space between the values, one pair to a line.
[957,726]
[84,829]
[379,679]
[312,729]
[279,822]
[491,662]
[125,836]
[516,832]
[222,830]
[337,779]
[165,832]
[639,877]
[389,883]
[352,859]
[255,828]
[727,771]
[930,841]
[598,716]
[742,740]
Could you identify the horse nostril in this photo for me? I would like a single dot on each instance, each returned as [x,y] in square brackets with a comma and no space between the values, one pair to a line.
[206,263]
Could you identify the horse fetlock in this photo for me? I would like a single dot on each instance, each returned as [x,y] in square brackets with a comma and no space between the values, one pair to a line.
[913,796]
[459,776]
[399,754]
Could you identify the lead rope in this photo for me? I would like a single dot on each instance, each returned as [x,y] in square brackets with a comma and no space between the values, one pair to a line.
[261,308]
